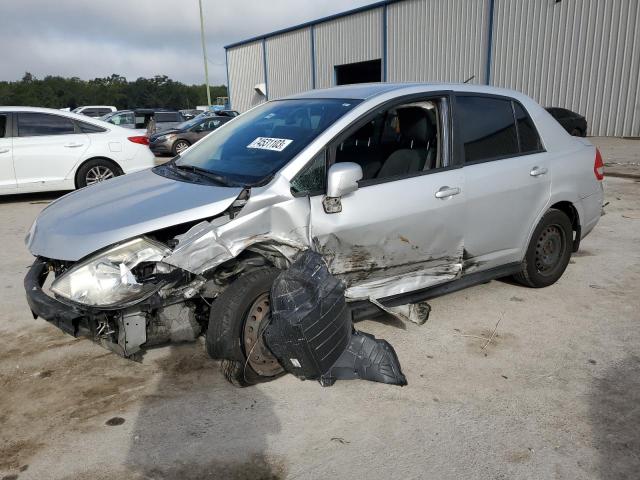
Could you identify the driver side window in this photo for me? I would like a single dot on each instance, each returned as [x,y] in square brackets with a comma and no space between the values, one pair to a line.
[401,141]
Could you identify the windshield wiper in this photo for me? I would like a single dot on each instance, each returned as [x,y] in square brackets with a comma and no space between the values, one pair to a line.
[221,179]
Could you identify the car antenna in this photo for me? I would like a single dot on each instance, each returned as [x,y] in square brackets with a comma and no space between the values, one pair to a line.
[469,79]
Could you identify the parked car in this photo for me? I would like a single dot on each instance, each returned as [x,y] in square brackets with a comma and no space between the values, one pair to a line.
[44,149]
[175,140]
[573,122]
[140,118]
[95,110]
[218,113]
[189,114]
[407,191]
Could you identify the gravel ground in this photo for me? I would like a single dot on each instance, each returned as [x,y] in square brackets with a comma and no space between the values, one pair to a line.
[554,395]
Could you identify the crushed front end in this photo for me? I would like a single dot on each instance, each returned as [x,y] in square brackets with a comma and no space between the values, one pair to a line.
[124,297]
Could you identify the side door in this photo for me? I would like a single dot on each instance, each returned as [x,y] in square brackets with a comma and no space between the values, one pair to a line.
[7,174]
[508,182]
[402,229]
[46,149]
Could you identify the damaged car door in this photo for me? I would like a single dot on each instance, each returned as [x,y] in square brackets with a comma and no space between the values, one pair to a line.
[402,228]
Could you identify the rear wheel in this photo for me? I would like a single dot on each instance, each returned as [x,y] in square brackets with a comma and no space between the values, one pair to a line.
[180,146]
[549,251]
[576,132]
[96,171]
[236,324]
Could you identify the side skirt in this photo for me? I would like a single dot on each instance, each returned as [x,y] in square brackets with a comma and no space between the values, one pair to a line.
[364,309]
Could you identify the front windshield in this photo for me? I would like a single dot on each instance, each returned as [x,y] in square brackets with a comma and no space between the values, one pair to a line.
[258,143]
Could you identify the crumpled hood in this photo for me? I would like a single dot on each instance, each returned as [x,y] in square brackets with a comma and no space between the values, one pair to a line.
[97,216]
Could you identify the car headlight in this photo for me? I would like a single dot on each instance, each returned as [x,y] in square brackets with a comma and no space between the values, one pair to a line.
[105,280]
[162,138]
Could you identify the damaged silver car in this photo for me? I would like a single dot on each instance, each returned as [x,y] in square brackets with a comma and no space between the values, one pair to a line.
[406,191]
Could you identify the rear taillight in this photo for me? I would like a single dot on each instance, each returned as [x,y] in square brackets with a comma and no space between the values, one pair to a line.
[141,139]
[598,166]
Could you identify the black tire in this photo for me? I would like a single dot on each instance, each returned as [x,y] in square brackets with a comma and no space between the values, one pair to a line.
[226,336]
[90,169]
[179,146]
[549,251]
[576,132]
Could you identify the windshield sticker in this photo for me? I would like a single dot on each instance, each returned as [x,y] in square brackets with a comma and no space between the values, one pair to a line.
[274,144]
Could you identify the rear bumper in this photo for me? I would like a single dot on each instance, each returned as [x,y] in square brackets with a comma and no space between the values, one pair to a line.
[71,320]
[591,211]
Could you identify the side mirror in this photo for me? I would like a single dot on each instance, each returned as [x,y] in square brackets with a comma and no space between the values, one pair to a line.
[342,179]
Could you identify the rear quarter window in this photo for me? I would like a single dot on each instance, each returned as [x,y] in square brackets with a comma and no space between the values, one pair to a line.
[527,133]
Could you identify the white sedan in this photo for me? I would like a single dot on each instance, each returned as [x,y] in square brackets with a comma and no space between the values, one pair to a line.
[44,149]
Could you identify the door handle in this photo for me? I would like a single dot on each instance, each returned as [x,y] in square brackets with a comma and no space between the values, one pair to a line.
[5,150]
[537,171]
[73,145]
[445,192]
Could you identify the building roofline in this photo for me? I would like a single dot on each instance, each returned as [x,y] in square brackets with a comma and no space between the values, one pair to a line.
[310,23]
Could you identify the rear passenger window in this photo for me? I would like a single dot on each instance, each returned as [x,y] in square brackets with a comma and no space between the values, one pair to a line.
[3,126]
[33,124]
[527,133]
[487,128]
[89,128]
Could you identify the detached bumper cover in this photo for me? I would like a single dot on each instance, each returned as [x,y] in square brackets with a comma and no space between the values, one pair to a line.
[69,319]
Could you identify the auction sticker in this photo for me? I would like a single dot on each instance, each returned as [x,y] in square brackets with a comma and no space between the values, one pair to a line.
[267,143]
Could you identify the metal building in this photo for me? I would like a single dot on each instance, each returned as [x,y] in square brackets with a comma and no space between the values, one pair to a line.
[583,55]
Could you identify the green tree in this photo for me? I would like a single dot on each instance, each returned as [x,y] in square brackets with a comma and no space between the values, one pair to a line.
[60,92]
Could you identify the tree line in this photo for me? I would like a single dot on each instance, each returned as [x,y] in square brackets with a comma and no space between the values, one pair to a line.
[59,92]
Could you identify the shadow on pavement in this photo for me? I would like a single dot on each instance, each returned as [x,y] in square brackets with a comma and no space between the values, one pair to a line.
[197,426]
[615,417]
[41,197]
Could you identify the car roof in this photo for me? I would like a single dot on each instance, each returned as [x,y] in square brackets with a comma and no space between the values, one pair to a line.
[365,91]
[62,113]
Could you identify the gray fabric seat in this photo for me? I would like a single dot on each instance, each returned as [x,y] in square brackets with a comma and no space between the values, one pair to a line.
[417,135]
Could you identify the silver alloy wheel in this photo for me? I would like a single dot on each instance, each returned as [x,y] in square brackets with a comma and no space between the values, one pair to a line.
[181,146]
[98,174]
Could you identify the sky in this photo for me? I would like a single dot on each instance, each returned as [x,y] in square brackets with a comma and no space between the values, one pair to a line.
[139,38]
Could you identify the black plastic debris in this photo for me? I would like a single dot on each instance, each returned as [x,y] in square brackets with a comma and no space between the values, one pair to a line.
[366,358]
[310,323]
[311,332]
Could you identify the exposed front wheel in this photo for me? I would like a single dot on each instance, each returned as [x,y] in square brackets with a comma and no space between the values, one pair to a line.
[96,171]
[549,251]
[237,321]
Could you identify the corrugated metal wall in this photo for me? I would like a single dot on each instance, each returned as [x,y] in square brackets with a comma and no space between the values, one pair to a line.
[351,39]
[580,54]
[246,70]
[583,55]
[289,63]
[437,40]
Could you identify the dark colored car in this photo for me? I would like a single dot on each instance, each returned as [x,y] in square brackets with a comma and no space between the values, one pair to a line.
[573,122]
[176,140]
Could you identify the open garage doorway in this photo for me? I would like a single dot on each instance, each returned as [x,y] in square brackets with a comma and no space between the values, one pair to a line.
[360,72]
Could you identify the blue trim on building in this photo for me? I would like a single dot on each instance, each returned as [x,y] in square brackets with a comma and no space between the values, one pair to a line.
[264,63]
[384,43]
[226,62]
[313,57]
[489,43]
[365,8]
